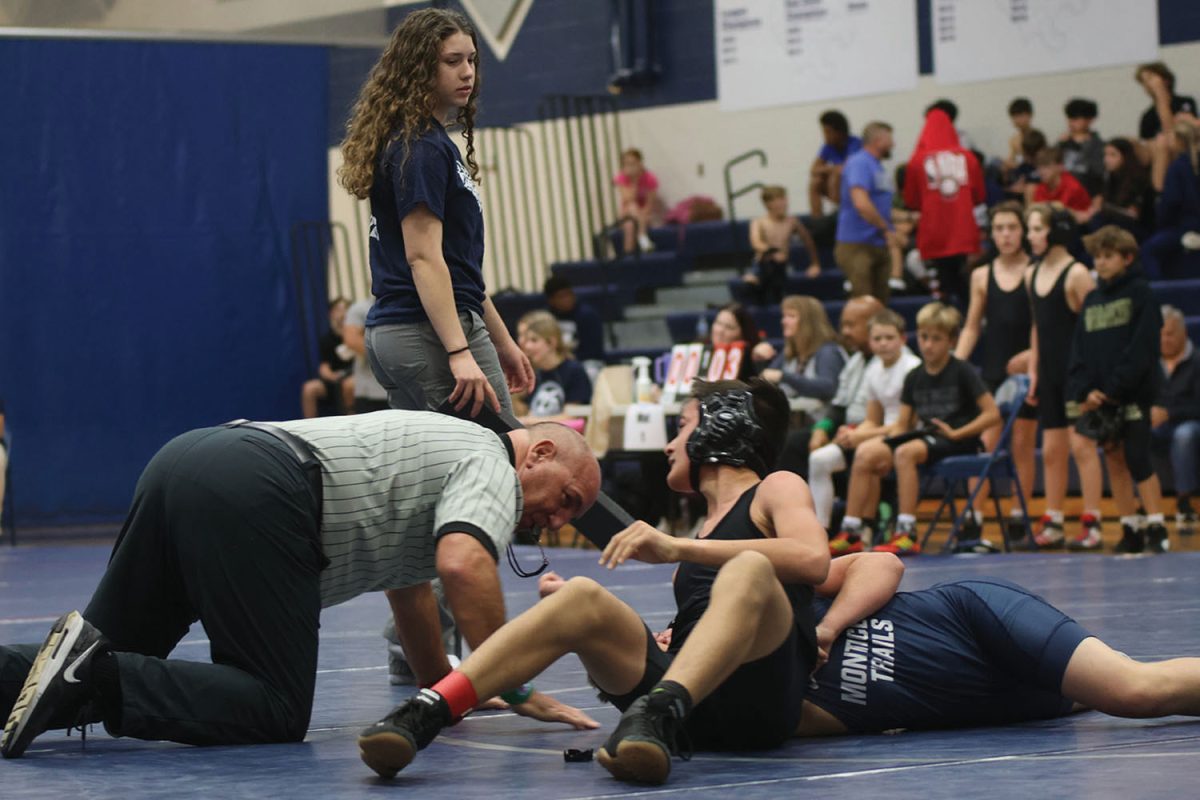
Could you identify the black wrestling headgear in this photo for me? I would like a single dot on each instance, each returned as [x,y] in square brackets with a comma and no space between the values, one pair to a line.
[1063,230]
[728,433]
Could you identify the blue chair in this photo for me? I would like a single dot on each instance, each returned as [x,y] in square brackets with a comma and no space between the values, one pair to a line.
[958,471]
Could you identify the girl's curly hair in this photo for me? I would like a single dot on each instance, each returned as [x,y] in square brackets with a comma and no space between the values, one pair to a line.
[398,100]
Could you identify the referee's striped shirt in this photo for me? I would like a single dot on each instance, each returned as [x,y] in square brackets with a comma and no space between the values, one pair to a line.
[396,481]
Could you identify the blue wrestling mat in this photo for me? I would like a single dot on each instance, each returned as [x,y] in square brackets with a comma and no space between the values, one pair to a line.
[1148,607]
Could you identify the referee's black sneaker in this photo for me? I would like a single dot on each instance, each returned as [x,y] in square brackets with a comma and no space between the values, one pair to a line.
[59,684]
[390,745]
[641,747]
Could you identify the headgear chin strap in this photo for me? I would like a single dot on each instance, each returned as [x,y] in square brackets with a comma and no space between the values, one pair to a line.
[728,433]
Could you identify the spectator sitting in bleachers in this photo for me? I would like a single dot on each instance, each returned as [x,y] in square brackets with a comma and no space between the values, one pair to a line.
[369,395]
[1022,176]
[849,404]
[334,381]
[1127,198]
[825,175]
[558,378]
[733,323]
[943,184]
[582,329]
[811,359]
[1159,82]
[1082,147]
[882,382]
[864,228]
[1056,185]
[1176,416]
[1020,111]
[771,237]
[639,201]
[1178,209]
[944,409]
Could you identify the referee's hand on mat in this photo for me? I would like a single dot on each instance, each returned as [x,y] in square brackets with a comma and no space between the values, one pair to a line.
[545,708]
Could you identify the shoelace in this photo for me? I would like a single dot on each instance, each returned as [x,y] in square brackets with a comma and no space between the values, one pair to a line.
[82,724]
[671,731]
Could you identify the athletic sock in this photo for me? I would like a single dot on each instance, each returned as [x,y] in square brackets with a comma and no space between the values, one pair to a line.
[975,516]
[670,698]
[1155,519]
[1094,513]
[851,524]
[906,522]
[1055,515]
[1133,521]
[459,694]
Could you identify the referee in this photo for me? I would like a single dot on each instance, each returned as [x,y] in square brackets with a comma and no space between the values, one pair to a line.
[253,528]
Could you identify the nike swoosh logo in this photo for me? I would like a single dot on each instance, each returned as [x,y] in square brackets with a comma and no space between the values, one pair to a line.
[69,675]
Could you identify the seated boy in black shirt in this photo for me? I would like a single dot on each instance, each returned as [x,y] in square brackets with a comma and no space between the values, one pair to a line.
[944,406]
[1113,379]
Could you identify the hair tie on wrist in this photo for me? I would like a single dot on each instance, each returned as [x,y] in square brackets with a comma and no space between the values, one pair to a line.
[462,349]
[518,696]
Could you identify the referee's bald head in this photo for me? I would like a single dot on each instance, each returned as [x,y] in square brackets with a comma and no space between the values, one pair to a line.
[560,478]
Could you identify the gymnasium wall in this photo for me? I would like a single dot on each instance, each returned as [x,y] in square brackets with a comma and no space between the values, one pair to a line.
[562,47]
[145,282]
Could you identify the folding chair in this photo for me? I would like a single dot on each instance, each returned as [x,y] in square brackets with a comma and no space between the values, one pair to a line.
[957,471]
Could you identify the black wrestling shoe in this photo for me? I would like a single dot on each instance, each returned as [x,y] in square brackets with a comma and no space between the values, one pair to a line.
[1157,540]
[641,747]
[390,745]
[1132,541]
[59,685]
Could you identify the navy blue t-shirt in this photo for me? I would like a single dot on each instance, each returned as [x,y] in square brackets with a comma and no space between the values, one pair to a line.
[566,383]
[973,652]
[435,177]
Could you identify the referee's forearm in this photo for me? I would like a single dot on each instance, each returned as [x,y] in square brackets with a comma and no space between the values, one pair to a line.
[472,586]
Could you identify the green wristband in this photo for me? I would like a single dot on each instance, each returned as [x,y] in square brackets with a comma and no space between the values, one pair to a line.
[825,425]
[518,696]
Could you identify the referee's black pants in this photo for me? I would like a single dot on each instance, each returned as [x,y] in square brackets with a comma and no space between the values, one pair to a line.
[224,529]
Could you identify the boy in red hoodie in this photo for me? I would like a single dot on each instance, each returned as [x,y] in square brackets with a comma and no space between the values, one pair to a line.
[944,183]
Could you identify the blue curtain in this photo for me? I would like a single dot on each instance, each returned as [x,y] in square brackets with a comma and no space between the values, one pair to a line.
[145,283]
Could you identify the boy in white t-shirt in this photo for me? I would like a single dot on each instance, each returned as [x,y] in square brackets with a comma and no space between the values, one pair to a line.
[883,381]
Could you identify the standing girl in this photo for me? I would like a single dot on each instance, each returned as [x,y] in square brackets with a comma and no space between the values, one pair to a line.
[433,333]
[1057,285]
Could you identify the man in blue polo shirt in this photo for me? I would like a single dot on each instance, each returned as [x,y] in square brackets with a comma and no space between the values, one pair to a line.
[864,230]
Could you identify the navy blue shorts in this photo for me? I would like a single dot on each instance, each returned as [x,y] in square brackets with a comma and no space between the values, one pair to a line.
[973,652]
[756,708]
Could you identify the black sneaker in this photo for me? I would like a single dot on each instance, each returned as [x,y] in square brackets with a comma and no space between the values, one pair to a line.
[1132,541]
[59,684]
[641,747]
[390,745]
[1157,540]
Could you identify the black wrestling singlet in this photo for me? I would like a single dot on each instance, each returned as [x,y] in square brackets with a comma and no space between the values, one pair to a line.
[693,582]
[1009,317]
[1056,326]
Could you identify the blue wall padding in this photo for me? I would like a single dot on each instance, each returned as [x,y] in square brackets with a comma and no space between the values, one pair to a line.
[145,281]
